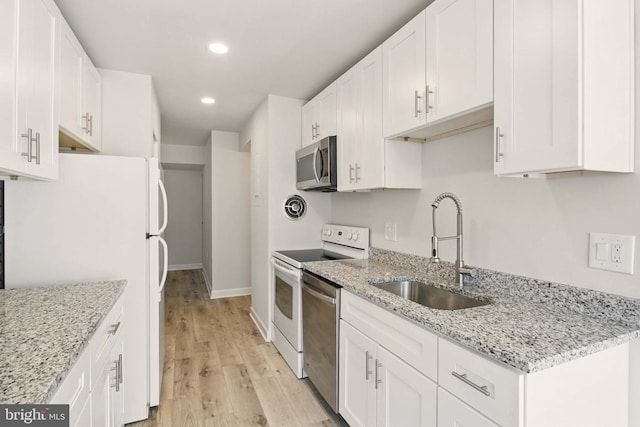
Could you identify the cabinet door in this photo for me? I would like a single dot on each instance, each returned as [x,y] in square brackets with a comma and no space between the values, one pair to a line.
[117,392]
[326,112]
[369,170]
[349,128]
[537,84]
[459,56]
[404,78]
[10,158]
[405,397]
[72,116]
[357,391]
[454,413]
[101,413]
[308,123]
[92,104]
[36,106]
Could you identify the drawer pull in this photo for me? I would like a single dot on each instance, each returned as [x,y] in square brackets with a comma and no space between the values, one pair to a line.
[463,377]
[114,328]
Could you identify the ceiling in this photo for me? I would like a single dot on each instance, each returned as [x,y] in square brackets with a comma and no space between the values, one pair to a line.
[291,48]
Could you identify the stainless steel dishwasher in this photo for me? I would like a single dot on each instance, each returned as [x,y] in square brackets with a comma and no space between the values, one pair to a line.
[320,322]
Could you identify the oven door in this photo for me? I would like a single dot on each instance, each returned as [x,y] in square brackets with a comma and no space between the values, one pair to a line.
[287,302]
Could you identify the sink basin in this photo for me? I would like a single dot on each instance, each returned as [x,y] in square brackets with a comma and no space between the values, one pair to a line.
[429,296]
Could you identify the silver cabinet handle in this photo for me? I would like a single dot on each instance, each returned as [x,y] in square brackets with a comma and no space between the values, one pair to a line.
[317,130]
[464,379]
[116,368]
[499,137]
[85,117]
[427,98]
[91,125]
[120,369]
[29,153]
[416,105]
[351,169]
[357,174]
[114,328]
[378,366]
[37,148]
[367,371]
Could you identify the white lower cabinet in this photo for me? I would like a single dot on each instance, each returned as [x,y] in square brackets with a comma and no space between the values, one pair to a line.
[454,413]
[379,389]
[392,373]
[94,387]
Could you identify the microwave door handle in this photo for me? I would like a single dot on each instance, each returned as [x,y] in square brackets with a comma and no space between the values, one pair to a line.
[322,173]
[315,170]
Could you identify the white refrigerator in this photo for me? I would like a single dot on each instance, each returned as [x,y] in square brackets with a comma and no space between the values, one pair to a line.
[102,220]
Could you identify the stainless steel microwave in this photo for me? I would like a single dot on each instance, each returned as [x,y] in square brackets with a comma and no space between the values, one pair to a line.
[316,166]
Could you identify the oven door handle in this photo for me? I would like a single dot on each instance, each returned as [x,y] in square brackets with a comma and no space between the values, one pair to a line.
[316,294]
[291,271]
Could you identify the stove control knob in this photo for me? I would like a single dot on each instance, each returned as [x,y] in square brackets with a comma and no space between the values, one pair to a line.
[354,236]
[328,232]
[349,236]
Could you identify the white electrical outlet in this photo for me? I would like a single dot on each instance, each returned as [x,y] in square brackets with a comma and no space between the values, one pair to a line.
[612,252]
[390,231]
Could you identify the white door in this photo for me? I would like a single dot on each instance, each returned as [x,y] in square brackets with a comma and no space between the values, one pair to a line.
[357,389]
[92,103]
[459,56]
[158,264]
[36,107]
[326,114]
[405,396]
[537,86]
[370,167]
[349,128]
[72,117]
[404,78]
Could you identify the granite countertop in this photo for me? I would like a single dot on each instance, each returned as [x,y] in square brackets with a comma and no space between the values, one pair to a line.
[43,331]
[529,324]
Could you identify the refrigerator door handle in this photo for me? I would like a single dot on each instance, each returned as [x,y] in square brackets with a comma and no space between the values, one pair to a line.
[165,267]
[165,207]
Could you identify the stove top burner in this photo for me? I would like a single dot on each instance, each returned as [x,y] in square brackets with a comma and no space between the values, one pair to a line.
[311,255]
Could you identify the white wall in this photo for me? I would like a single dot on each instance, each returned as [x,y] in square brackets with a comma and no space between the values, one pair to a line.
[273,135]
[207,242]
[174,154]
[230,212]
[531,227]
[184,229]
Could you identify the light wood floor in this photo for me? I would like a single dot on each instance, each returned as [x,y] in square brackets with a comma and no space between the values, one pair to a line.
[218,370]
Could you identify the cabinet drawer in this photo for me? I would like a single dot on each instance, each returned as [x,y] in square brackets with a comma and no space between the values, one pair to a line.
[454,413]
[490,388]
[103,340]
[411,343]
[75,390]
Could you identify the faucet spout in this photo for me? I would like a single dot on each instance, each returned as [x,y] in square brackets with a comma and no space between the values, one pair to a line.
[461,269]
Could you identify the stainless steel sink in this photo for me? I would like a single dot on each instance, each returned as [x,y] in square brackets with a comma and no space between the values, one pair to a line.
[429,296]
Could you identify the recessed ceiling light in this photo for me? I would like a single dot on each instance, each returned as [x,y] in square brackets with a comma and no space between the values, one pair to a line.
[218,48]
[207,100]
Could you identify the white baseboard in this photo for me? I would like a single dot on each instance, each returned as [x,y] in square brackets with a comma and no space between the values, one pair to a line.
[185,267]
[206,280]
[261,326]
[228,293]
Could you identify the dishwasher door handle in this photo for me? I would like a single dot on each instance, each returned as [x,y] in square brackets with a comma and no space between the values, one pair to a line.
[318,295]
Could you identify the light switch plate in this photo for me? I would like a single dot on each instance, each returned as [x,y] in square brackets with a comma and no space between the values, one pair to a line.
[613,252]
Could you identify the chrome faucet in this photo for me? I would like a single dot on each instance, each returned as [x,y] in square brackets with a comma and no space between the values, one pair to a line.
[461,269]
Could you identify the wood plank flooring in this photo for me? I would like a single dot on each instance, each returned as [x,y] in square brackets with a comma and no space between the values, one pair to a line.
[219,371]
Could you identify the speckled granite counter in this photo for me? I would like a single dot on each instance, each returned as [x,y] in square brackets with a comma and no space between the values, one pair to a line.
[530,324]
[43,331]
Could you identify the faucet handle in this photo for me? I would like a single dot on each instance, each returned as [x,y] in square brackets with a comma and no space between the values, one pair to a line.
[467,271]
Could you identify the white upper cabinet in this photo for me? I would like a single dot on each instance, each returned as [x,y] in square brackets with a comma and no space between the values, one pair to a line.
[365,160]
[459,57]
[80,95]
[564,86]
[319,116]
[28,50]
[404,78]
